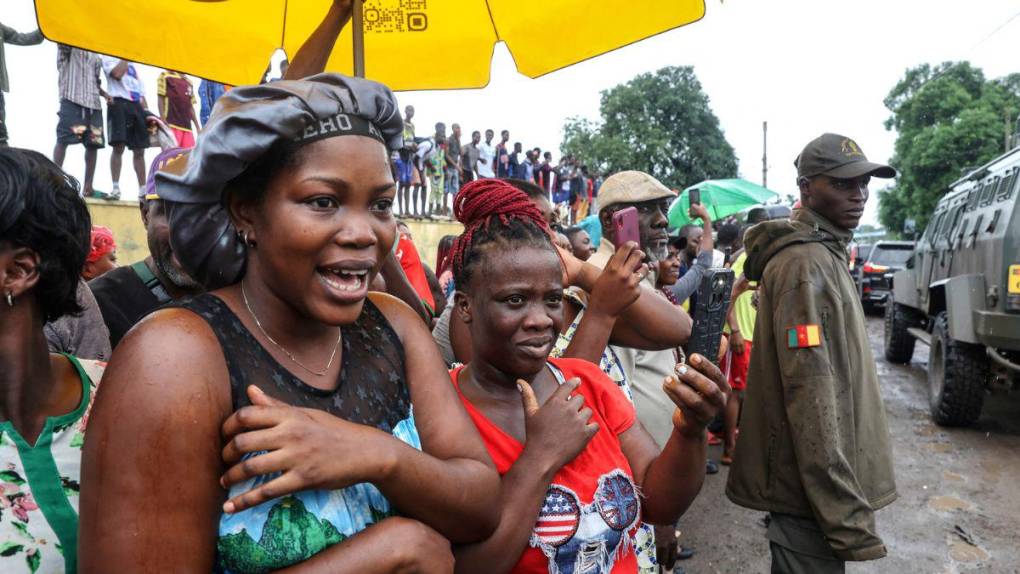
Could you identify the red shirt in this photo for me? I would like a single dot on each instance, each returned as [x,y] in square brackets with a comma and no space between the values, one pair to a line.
[180,99]
[591,508]
[410,261]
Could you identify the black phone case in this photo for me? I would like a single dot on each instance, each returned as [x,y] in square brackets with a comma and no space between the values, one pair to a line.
[710,313]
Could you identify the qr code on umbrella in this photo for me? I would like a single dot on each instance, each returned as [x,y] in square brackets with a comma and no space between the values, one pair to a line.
[385,16]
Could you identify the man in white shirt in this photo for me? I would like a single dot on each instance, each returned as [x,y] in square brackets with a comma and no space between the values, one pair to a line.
[126,119]
[486,153]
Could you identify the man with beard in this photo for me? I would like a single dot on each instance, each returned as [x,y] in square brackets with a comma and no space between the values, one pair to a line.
[646,369]
[127,294]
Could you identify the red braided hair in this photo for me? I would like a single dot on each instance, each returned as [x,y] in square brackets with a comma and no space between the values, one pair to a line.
[484,201]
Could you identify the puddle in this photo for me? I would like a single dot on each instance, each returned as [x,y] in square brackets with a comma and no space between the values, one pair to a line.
[991,470]
[961,551]
[948,503]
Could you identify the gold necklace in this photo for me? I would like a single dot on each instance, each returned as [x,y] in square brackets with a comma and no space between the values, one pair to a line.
[285,351]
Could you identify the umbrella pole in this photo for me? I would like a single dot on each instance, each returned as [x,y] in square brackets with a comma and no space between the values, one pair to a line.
[359,38]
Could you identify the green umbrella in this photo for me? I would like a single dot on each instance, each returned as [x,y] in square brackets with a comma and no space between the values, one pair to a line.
[722,197]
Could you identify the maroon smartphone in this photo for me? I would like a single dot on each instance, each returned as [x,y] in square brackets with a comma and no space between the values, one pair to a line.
[625,224]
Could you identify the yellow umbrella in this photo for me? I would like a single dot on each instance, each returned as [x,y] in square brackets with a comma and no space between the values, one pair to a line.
[407,44]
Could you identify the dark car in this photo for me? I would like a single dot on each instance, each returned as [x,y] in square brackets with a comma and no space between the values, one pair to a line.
[884,259]
[863,252]
[858,256]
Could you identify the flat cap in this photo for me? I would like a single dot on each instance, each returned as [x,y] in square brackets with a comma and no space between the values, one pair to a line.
[631,187]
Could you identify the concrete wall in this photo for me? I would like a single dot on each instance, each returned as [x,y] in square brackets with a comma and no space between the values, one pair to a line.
[124,218]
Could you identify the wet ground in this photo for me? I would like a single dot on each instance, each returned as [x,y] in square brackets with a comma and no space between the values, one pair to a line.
[959,505]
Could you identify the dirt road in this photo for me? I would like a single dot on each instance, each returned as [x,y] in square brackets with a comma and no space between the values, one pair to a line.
[959,505]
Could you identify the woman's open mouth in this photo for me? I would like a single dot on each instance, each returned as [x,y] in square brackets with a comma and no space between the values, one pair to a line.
[347,283]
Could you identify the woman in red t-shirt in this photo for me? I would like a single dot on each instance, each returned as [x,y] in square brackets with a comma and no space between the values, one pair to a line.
[579,472]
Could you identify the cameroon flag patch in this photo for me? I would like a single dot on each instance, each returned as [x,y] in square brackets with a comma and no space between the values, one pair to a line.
[803,336]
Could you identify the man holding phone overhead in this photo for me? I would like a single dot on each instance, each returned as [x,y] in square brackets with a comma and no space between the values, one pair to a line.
[628,199]
[633,207]
[815,449]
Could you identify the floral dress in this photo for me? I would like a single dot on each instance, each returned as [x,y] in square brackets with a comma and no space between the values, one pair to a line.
[39,487]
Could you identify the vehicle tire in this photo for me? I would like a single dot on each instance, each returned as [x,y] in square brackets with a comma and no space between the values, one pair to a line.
[899,344]
[957,373]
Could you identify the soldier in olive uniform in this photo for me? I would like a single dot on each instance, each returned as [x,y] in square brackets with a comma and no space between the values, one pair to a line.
[814,449]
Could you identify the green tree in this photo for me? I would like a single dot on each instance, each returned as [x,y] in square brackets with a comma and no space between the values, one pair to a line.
[948,118]
[659,123]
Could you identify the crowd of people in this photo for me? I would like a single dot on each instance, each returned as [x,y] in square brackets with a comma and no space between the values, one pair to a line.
[431,170]
[86,80]
[283,383]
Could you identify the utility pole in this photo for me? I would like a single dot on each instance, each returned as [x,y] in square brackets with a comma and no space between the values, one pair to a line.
[765,154]
[359,38]
[1009,129]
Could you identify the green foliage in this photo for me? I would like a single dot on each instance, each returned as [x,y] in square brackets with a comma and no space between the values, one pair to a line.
[10,548]
[659,123]
[291,533]
[32,559]
[11,477]
[948,118]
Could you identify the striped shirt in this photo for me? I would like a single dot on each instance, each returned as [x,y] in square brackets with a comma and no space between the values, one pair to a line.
[78,72]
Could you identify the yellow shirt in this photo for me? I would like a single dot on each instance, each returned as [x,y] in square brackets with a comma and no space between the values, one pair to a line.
[743,310]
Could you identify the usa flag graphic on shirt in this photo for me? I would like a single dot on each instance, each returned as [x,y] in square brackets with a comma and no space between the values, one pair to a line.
[560,515]
[587,538]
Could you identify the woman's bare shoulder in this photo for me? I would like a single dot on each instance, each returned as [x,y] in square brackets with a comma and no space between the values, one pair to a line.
[171,355]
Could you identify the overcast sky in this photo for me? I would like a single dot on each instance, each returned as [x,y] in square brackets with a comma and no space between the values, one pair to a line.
[805,66]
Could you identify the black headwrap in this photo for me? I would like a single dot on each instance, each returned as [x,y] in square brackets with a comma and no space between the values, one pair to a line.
[245,124]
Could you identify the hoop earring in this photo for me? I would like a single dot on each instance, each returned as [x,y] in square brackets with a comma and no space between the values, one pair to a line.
[10,299]
[244,238]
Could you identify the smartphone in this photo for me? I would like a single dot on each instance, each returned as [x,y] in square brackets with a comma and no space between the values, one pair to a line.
[625,225]
[710,313]
[694,196]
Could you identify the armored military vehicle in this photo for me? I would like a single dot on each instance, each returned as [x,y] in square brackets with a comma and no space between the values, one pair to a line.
[960,293]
